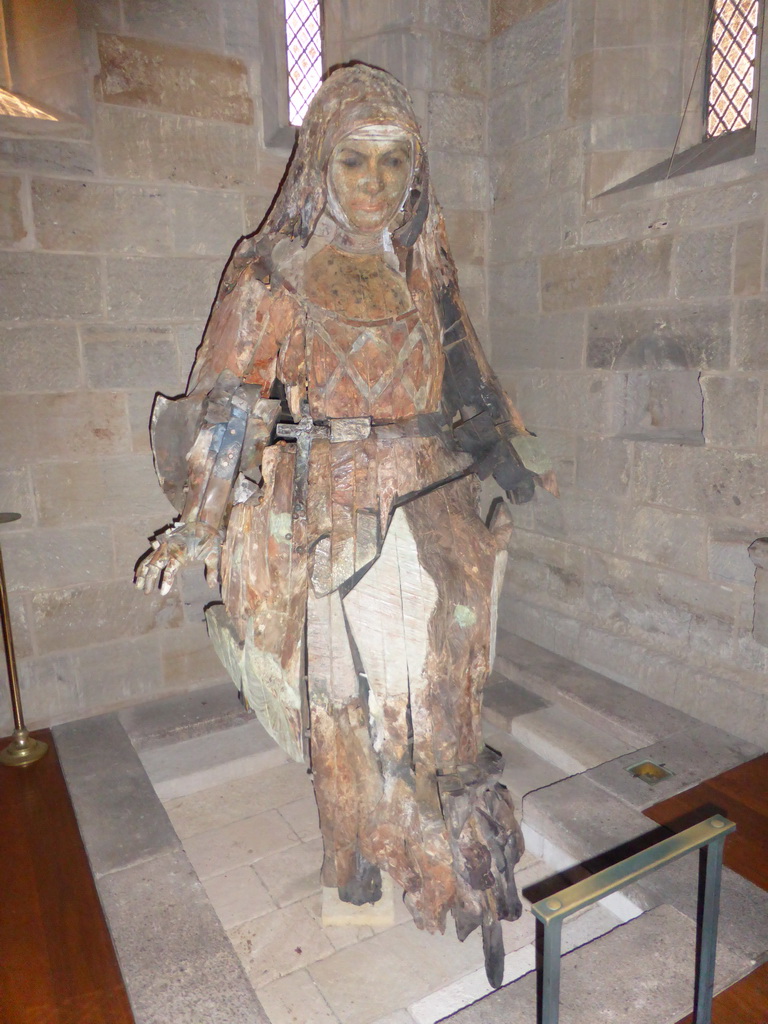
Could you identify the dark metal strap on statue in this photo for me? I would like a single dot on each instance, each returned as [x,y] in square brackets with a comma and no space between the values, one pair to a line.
[358,428]
[302,433]
[484,431]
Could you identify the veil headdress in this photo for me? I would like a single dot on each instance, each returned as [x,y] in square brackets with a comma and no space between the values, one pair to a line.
[353,97]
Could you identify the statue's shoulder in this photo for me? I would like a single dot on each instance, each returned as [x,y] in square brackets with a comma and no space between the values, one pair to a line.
[252,258]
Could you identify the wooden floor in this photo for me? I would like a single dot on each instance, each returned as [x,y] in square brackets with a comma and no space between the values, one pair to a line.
[57,963]
[746,1002]
[741,794]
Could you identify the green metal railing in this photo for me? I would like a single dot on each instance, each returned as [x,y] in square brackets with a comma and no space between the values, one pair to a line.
[708,836]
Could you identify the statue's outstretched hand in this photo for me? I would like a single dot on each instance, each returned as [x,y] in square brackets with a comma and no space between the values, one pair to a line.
[182,543]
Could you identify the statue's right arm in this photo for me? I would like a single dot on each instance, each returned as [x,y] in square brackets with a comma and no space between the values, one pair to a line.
[212,465]
[238,346]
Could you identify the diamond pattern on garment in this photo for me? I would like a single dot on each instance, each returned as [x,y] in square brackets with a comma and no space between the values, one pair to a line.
[385,372]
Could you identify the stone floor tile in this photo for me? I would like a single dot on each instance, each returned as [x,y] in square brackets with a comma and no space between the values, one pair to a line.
[295,999]
[528,860]
[239,798]
[519,933]
[693,756]
[373,978]
[242,842]
[191,765]
[530,871]
[587,925]
[520,956]
[301,815]
[279,943]
[176,960]
[238,896]
[402,913]
[467,990]
[117,810]
[292,874]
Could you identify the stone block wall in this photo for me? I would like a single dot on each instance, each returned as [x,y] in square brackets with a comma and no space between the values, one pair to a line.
[114,229]
[632,328]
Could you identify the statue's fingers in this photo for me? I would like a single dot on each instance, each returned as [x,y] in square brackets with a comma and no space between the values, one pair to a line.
[150,574]
[141,572]
[151,567]
[169,573]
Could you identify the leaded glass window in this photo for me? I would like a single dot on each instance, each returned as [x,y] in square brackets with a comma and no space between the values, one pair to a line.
[304,54]
[732,65]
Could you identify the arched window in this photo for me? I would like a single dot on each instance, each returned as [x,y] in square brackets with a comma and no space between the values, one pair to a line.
[731,65]
[291,65]
[304,54]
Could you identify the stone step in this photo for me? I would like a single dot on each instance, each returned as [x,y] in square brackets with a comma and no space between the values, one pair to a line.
[187,766]
[593,816]
[552,732]
[639,973]
[175,958]
[171,719]
[627,715]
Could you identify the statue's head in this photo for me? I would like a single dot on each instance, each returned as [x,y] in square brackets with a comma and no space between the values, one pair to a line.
[368,176]
[359,157]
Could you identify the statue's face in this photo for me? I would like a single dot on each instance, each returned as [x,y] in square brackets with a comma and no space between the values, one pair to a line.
[369,177]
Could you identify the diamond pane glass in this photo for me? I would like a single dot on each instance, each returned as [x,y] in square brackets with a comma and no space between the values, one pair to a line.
[303,51]
[733,45]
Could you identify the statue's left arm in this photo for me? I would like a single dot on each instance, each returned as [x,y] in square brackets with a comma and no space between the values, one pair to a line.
[486,423]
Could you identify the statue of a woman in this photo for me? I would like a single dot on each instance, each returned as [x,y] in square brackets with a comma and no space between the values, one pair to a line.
[324,463]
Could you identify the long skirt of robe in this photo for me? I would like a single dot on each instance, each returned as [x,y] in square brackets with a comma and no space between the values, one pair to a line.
[396,668]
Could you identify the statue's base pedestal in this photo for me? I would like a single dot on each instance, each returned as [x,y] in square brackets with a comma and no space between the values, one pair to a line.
[337,914]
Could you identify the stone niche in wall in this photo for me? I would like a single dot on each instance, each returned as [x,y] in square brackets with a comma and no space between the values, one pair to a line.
[657,406]
[655,391]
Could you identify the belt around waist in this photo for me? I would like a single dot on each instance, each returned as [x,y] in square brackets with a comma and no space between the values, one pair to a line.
[358,428]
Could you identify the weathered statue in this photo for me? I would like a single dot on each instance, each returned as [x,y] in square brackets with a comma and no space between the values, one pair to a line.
[324,463]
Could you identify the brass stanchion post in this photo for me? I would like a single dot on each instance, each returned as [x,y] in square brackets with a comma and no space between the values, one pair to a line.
[23,748]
